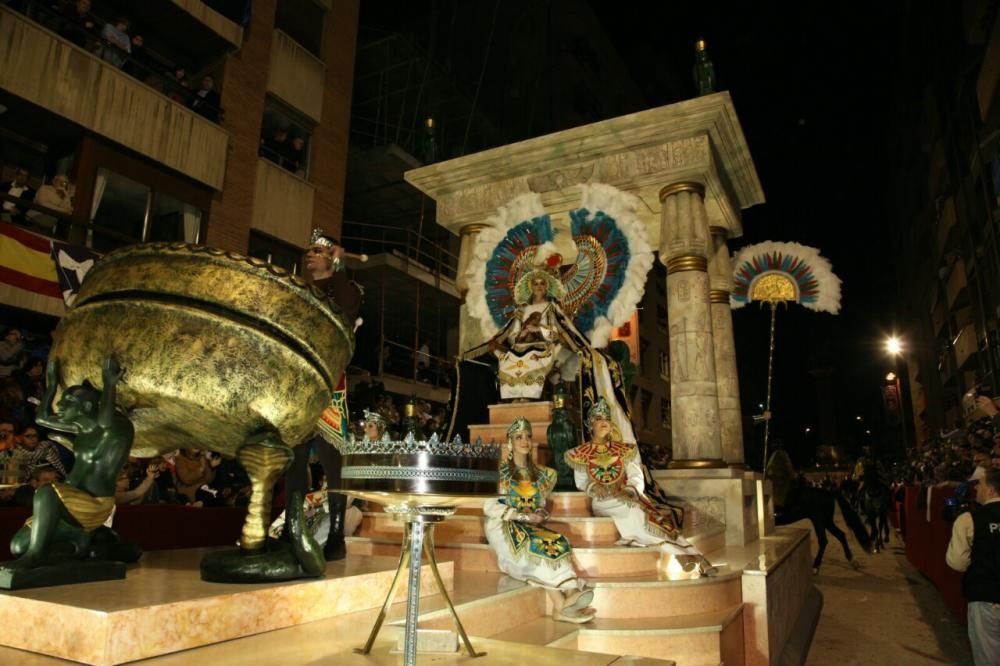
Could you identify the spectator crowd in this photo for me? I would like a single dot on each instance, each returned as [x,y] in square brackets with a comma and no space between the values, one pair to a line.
[121,44]
[29,457]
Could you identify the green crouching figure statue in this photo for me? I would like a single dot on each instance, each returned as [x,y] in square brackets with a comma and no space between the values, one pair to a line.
[67,520]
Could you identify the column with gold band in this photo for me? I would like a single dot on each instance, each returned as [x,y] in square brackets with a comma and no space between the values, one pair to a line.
[720,276]
[685,247]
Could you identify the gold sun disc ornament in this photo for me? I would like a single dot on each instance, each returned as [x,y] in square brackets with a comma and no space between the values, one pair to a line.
[773,288]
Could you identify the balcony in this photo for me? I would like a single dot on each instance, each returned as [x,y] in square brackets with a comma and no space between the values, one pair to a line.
[946,230]
[989,73]
[965,345]
[297,77]
[956,291]
[939,317]
[213,20]
[282,204]
[49,72]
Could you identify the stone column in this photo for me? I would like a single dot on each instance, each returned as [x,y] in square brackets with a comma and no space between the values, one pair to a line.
[468,329]
[684,248]
[727,382]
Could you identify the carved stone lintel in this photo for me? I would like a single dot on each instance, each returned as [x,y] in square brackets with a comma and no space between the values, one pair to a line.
[560,178]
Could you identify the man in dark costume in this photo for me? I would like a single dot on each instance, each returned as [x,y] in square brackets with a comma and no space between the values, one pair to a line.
[324,264]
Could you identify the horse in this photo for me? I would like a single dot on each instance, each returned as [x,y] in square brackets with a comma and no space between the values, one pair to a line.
[817,505]
[875,500]
[795,500]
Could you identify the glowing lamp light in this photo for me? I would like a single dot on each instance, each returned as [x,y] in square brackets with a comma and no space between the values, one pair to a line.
[894,345]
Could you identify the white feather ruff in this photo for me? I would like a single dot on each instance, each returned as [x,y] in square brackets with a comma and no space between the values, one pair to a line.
[515,211]
[828,297]
[621,206]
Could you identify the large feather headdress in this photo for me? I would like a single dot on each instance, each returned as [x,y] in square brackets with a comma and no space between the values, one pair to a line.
[602,285]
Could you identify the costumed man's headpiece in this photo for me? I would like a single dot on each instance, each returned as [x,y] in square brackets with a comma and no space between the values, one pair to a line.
[375,417]
[519,424]
[320,237]
[599,410]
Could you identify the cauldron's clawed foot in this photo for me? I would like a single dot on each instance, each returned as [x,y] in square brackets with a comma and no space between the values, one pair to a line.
[265,457]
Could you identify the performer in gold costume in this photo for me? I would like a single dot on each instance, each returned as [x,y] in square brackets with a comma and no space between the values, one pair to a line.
[610,472]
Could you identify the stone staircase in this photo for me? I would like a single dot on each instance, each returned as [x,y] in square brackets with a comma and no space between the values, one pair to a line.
[643,607]
[646,606]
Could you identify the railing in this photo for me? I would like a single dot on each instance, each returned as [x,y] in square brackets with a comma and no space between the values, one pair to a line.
[296,76]
[67,80]
[403,361]
[377,238]
[67,226]
[151,68]
[283,203]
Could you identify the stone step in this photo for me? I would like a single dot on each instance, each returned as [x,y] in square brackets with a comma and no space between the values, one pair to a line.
[581,532]
[497,613]
[505,413]
[569,503]
[618,598]
[592,563]
[689,640]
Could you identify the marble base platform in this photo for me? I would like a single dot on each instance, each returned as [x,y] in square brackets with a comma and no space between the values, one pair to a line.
[729,495]
[163,606]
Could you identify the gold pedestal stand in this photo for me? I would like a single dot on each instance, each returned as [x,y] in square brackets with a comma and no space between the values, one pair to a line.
[418,539]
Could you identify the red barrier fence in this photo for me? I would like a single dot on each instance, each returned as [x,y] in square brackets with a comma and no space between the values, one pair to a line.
[927,542]
[152,526]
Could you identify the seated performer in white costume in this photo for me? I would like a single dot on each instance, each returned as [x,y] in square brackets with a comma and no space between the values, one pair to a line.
[525,549]
[610,472]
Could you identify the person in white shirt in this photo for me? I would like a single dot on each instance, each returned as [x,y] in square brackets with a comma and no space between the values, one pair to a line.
[975,550]
[55,196]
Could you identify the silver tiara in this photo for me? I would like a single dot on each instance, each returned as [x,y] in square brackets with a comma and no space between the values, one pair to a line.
[433,446]
[319,237]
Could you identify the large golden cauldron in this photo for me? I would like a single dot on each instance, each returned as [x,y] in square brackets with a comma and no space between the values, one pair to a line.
[216,346]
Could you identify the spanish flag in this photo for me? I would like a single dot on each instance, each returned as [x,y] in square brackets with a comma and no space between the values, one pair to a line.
[28,277]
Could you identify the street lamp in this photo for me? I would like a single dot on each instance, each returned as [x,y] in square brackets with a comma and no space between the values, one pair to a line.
[894,346]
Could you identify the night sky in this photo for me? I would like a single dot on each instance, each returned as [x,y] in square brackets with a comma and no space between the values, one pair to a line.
[811,84]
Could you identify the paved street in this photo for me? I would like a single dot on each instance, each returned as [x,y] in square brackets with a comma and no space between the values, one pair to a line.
[885,614]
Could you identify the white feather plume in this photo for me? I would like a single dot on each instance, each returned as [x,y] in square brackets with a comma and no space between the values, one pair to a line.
[517,210]
[623,207]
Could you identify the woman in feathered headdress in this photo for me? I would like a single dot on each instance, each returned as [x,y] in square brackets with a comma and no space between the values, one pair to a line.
[525,549]
[610,472]
[540,341]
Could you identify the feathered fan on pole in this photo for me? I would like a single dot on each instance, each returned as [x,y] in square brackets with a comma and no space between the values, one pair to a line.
[776,273]
[772,272]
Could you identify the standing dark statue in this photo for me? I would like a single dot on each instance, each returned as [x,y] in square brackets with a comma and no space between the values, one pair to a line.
[67,520]
[561,436]
[703,70]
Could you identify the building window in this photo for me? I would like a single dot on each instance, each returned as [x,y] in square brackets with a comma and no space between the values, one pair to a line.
[664,366]
[302,20]
[125,211]
[665,414]
[661,318]
[647,402]
[643,349]
[285,139]
[274,251]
